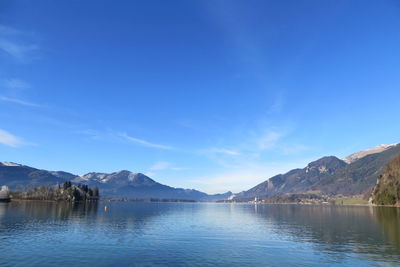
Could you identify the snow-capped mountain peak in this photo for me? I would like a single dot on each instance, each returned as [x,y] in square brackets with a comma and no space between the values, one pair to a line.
[123,177]
[9,164]
[356,156]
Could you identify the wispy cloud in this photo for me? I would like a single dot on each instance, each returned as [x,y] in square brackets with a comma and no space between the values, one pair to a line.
[268,140]
[248,149]
[18,51]
[179,169]
[96,135]
[223,151]
[162,165]
[249,161]
[17,44]
[144,142]
[111,135]
[9,139]
[19,101]
[15,90]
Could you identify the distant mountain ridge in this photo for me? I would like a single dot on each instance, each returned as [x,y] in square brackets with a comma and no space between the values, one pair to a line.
[356,174]
[122,184]
[328,176]
[17,176]
[128,184]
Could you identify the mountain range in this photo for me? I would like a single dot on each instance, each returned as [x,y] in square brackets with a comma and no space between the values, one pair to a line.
[356,174]
[122,184]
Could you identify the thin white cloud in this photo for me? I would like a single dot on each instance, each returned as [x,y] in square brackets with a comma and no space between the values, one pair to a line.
[249,147]
[91,133]
[248,150]
[179,169]
[144,142]
[224,151]
[17,50]
[269,140]
[162,165]
[18,101]
[9,139]
[248,162]
[17,44]
[111,135]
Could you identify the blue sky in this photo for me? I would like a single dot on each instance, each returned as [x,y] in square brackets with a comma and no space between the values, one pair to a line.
[213,95]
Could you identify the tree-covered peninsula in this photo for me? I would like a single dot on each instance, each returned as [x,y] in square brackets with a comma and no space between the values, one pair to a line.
[63,192]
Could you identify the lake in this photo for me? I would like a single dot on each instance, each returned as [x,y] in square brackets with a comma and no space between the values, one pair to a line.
[196,234]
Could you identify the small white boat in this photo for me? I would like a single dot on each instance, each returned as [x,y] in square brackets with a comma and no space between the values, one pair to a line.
[4,194]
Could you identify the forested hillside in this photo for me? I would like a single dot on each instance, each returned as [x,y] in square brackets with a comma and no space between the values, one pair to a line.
[387,190]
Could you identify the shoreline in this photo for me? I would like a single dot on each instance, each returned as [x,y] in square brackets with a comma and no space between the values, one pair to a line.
[199,202]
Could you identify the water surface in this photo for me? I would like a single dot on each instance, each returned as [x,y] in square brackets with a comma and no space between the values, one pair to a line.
[197,234]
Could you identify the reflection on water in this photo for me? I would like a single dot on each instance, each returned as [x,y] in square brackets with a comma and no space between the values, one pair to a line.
[340,228]
[196,234]
[389,219]
[50,210]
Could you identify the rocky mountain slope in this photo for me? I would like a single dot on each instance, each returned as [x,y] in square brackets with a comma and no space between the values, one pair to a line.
[356,156]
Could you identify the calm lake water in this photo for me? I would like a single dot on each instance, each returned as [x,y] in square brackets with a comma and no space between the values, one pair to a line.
[197,234]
